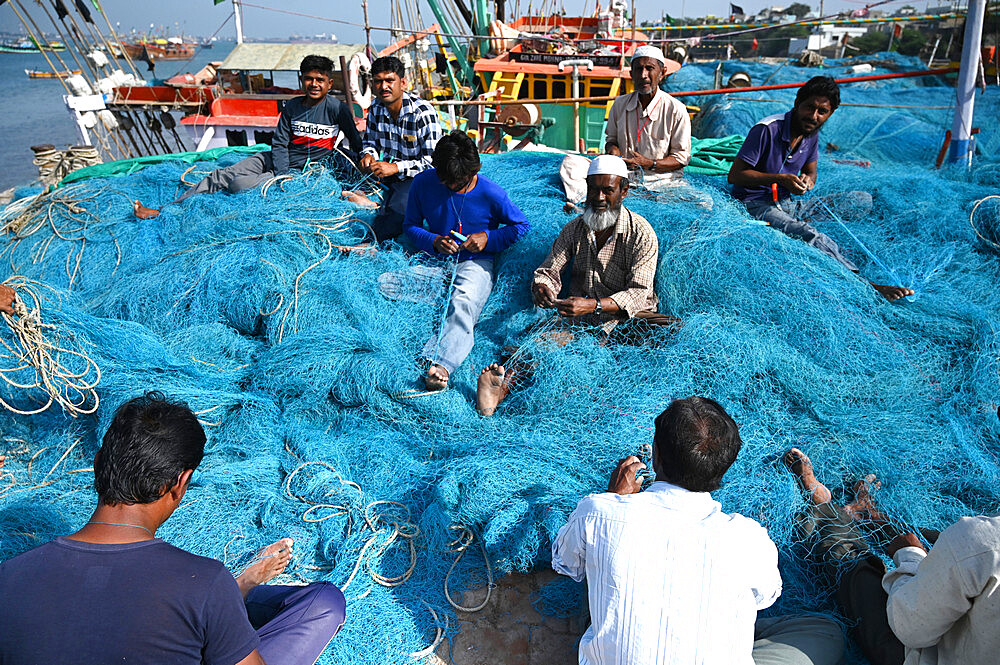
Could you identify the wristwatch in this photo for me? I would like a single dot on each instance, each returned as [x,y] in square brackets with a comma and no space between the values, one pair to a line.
[598,309]
[654,166]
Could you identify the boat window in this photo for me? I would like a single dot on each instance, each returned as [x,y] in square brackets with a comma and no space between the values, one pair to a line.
[559,88]
[597,88]
[539,87]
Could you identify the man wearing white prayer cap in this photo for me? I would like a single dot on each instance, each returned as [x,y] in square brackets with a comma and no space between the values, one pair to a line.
[613,252]
[647,127]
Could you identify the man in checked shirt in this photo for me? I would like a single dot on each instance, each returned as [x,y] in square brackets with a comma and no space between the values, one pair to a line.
[614,255]
[401,135]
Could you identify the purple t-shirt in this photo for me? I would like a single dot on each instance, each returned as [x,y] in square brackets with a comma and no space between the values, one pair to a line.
[767,149]
[146,602]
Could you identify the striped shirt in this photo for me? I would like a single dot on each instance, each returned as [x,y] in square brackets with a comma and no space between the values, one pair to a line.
[672,580]
[623,269]
[408,141]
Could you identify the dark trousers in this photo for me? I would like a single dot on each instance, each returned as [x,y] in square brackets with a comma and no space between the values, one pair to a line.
[295,623]
[857,572]
[388,222]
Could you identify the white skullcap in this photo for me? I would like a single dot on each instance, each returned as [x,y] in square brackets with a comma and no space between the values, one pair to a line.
[649,51]
[608,165]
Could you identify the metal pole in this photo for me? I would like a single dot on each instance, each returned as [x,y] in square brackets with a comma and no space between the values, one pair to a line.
[368,31]
[238,16]
[576,64]
[962,146]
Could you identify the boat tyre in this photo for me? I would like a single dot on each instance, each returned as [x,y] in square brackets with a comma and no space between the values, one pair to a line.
[359,79]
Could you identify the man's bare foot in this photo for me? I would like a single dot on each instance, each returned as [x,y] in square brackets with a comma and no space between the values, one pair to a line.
[359,199]
[364,249]
[892,293]
[799,464]
[571,209]
[863,507]
[491,389]
[142,212]
[437,378]
[267,565]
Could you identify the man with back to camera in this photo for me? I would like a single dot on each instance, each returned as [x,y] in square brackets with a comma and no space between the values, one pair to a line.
[472,218]
[308,129]
[778,159]
[399,142]
[671,578]
[113,592]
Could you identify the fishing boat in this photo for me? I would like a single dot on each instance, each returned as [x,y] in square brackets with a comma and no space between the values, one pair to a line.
[41,74]
[173,48]
[30,46]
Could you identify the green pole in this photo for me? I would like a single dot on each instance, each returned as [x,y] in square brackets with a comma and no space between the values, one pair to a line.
[463,63]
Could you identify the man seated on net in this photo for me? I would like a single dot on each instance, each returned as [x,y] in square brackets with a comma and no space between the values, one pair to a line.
[471,218]
[778,159]
[113,592]
[937,607]
[671,578]
[611,256]
[308,129]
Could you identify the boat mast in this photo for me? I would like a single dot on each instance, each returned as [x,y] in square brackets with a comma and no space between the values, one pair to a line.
[238,17]
[962,145]
[456,49]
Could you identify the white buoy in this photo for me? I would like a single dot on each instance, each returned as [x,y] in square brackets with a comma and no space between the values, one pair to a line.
[962,146]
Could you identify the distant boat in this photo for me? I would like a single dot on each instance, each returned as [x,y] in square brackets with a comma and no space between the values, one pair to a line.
[39,74]
[159,49]
[29,46]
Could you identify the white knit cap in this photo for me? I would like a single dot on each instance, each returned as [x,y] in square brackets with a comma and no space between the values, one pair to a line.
[649,51]
[608,165]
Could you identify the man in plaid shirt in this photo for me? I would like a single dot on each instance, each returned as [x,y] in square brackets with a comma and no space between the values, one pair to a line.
[400,139]
[613,252]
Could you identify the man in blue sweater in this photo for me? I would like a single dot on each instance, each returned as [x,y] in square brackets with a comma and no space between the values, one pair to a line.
[307,131]
[471,219]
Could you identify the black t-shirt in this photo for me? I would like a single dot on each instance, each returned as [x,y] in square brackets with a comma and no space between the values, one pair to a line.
[146,602]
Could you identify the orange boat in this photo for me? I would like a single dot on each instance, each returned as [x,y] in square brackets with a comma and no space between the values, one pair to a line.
[39,74]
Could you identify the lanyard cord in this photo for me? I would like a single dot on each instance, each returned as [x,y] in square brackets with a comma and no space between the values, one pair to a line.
[649,117]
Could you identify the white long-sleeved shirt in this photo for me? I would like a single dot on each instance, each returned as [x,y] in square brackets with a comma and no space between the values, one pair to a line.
[672,579]
[944,606]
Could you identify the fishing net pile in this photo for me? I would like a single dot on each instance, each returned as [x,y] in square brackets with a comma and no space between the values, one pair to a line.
[305,373]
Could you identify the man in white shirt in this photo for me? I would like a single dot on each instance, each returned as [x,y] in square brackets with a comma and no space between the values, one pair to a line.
[937,607]
[672,579]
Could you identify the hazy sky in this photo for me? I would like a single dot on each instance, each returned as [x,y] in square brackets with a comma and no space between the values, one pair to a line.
[201,17]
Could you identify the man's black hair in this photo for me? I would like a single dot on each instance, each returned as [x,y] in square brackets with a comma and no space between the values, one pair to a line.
[696,443]
[389,63]
[150,442]
[820,86]
[456,158]
[316,63]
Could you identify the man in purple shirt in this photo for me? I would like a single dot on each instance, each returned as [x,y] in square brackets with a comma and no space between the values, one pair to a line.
[113,592]
[778,159]
[470,218]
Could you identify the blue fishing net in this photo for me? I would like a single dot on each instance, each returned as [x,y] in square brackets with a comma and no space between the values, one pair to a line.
[301,359]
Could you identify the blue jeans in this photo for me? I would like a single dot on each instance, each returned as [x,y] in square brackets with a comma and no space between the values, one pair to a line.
[473,284]
[791,217]
[388,223]
[295,623]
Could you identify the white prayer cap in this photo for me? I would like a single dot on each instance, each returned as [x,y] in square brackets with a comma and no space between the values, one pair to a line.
[608,165]
[649,51]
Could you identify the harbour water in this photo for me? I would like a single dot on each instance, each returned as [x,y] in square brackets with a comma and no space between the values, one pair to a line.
[32,111]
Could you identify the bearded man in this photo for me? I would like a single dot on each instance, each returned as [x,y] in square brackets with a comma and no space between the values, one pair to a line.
[614,256]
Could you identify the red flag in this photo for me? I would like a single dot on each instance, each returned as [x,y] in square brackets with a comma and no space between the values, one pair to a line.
[897,30]
[754,47]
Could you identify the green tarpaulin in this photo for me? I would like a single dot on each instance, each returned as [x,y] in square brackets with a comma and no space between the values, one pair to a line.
[713,156]
[130,166]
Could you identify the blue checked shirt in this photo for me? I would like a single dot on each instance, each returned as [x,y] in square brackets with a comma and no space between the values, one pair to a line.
[407,142]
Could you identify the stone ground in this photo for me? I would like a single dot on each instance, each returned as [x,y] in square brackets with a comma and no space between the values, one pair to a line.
[509,631]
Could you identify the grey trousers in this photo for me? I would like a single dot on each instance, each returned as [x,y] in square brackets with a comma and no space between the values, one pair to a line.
[244,174]
[797,640]
[792,217]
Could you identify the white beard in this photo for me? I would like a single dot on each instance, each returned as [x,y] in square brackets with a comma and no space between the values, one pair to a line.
[600,221]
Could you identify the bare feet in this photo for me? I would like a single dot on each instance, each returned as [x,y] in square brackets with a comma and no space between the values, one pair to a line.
[359,199]
[142,212]
[437,378]
[862,507]
[892,293]
[267,565]
[571,209]
[491,390]
[799,464]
